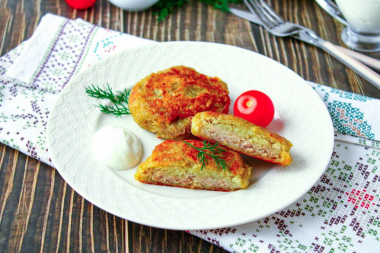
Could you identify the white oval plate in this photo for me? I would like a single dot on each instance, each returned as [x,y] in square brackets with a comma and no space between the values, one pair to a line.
[304,121]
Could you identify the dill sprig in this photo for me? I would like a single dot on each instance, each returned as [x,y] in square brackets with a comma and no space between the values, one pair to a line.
[115,109]
[163,8]
[97,92]
[212,150]
[119,99]
[221,4]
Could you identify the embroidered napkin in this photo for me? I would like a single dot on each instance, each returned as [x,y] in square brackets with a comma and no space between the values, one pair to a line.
[339,214]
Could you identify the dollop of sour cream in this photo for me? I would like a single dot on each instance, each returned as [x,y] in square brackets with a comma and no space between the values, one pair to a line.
[116,147]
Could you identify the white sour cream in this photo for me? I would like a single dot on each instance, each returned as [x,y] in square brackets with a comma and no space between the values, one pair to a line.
[362,15]
[117,148]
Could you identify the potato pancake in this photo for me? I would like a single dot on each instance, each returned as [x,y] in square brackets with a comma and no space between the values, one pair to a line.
[242,136]
[164,102]
[175,163]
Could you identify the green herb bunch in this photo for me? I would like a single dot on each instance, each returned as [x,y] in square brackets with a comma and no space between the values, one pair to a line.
[165,7]
[213,151]
[119,99]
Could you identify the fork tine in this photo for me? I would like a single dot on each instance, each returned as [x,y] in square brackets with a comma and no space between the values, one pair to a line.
[256,9]
[271,12]
[273,23]
[264,12]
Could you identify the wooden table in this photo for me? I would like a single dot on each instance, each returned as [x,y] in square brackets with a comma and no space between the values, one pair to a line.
[39,212]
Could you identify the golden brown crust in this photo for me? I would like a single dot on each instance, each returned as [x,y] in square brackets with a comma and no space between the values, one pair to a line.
[164,102]
[242,136]
[175,163]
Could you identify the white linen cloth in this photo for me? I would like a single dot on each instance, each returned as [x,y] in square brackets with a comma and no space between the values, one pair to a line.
[339,214]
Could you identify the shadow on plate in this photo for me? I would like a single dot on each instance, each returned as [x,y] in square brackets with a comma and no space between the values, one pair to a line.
[259,168]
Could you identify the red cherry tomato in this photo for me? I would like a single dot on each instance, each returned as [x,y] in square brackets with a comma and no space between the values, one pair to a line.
[80,4]
[254,106]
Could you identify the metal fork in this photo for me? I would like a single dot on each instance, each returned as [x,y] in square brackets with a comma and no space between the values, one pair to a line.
[277,26]
[270,20]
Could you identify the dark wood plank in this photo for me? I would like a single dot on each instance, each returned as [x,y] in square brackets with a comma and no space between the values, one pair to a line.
[39,212]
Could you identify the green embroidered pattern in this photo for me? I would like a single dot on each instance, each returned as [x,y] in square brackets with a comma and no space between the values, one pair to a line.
[348,119]
[339,214]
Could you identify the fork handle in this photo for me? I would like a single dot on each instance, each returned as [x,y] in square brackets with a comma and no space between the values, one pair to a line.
[352,63]
[369,61]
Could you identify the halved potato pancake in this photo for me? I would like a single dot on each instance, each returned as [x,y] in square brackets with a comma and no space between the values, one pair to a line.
[176,163]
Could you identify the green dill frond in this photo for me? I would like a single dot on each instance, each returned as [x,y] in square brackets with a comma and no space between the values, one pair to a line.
[214,151]
[163,8]
[119,101]
[116,109]
[123,96]
[101,93]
